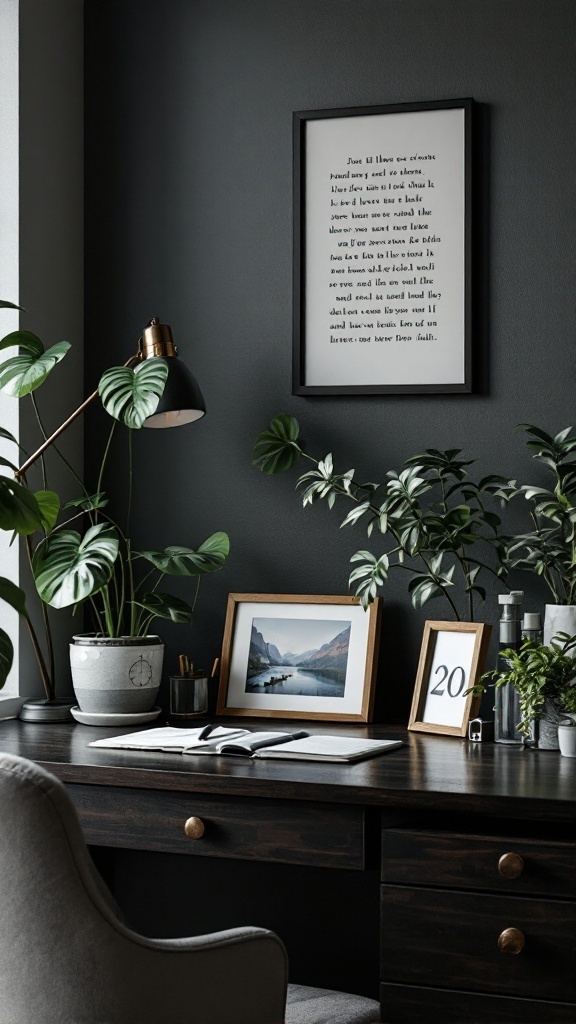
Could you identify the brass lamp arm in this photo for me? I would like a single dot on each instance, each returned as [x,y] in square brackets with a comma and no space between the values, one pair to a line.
[64,426]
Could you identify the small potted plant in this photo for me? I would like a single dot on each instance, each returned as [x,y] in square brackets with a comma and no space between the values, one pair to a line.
[435,522]
[81,555]
[543,676]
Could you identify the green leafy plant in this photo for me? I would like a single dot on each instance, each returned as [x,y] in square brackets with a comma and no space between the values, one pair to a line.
[92,561]
[433,518]
[549,549]
[540,674]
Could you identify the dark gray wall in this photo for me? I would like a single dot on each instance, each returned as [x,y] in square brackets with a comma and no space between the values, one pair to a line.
[189,218]
[51,267]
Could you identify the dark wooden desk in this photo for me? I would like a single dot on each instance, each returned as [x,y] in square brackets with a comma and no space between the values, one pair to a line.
[437,815]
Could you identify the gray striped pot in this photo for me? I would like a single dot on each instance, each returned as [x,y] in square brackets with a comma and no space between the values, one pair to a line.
[118,675]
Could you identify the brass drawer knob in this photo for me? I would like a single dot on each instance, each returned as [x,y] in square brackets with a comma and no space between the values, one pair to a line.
[511,865]
[511,940]
[194,828]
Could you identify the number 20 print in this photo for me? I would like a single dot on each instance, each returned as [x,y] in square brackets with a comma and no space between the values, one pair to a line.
[452,659]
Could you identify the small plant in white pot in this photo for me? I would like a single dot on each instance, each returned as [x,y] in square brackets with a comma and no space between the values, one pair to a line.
[85,556]
[543,676]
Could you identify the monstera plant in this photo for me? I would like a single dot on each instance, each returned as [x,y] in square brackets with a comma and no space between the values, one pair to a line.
[435,523]
[79,553]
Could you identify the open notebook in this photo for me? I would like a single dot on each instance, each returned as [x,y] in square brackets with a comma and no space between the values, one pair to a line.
[244,743]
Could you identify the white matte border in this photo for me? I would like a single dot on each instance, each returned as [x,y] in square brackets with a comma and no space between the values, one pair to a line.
[349,704]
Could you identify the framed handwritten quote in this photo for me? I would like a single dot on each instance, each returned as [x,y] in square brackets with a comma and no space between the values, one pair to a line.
[452,659]
[383,249]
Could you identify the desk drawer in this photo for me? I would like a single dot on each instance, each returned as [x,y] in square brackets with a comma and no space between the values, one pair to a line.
[407,1004]
[429,936]
[514,866]
[323,835]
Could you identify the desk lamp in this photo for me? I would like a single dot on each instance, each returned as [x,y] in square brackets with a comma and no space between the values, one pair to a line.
[181,402]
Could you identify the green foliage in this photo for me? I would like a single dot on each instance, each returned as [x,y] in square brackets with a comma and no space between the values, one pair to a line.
[19,509]
[132,395]
[69,568]
[94,563]
[549,549]
[6,656]
[49,505]
[280,447]
[16,598]
[13,595]
[435,522]
[178,561]
[25,372]
[539,673]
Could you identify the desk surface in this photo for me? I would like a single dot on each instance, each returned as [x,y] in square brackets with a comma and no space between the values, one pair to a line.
[429,771]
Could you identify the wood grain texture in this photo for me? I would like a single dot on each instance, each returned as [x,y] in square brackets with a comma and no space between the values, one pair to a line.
[429,773]
[277,831]
[471,862]
[433,936]
[411,1004]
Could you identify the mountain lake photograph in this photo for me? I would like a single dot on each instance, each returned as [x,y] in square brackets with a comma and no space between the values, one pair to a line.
[306,657]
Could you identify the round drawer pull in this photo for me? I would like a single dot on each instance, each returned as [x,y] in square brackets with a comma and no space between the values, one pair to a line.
[511,865]
[511,940]
[194,828]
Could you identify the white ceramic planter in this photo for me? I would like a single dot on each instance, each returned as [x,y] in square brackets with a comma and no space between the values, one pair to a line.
[559,618]
[567,740]
[116,676]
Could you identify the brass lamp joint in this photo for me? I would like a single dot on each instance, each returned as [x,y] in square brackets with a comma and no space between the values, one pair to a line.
[156,340]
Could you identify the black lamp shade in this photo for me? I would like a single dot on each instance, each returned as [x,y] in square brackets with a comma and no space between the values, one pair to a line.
[182,401]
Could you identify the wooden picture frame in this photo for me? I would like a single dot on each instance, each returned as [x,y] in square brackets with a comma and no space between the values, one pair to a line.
[328,648]
[384,244]
[452,659]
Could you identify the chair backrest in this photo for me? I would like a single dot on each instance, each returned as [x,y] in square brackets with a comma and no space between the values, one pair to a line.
[66,958]
[53,906]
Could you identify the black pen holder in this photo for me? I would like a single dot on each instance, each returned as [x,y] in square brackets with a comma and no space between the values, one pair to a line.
[188,697]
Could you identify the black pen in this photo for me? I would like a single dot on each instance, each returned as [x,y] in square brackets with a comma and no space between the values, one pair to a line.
[286,737]
[205,732]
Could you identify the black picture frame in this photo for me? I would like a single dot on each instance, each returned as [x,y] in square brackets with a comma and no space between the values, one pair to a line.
[397,359]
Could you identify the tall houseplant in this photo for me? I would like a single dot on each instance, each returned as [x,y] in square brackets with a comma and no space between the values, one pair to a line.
[81,554]
[435,522]
[549,549]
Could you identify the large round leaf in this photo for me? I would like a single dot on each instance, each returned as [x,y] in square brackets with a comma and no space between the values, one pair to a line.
[132,395]
[165,606]
[24,373]
[178,561]
[69,568]
[19,510]
[6,656]
[278,448]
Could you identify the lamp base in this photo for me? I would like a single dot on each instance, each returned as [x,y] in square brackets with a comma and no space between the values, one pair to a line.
[44,710]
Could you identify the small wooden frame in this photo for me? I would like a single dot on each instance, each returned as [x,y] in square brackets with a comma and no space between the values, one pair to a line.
[299,656]
[452,658]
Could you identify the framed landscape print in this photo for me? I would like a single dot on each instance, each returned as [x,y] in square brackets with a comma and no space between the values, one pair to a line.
[299,656]
[383,248]
[452,659]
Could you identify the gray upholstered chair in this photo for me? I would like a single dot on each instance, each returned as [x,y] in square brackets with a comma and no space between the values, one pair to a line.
[67,958]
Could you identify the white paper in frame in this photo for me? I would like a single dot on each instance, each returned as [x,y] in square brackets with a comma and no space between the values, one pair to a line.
[452,659]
